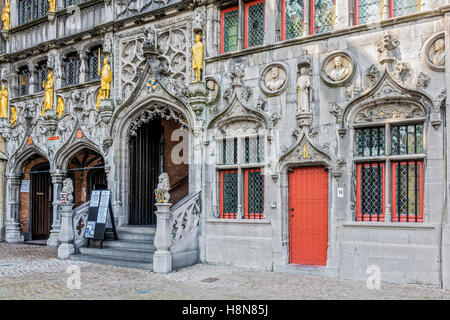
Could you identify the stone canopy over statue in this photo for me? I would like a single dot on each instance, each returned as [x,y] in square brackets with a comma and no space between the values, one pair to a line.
[4,102]
[197,58]
[48,92]
[105,88]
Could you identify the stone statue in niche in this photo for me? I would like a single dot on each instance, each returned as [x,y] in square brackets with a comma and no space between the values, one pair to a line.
[337,70]
[48,92]
[213,90]
[275,78]
[5,15]
[303,85]
[13,117]
[4,102]
[437,52]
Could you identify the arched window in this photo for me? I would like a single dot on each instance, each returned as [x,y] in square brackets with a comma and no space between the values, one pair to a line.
[95,63]
[73,63]
[24,81]
[41,70]
[32,9]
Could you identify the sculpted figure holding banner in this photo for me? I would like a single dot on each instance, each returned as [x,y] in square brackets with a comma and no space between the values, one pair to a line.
[5,15]
[197,58]
[48,93]
[4,102]
[105,89]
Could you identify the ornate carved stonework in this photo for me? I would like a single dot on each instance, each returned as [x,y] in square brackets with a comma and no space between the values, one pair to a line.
[338,68]
[273,79]
[336,111]
[373,73]
[423,81]
[213,90]
[386,49]
[435,52]
[401,71]
[371,114]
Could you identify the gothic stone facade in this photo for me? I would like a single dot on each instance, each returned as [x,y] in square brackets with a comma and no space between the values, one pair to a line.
[344,121]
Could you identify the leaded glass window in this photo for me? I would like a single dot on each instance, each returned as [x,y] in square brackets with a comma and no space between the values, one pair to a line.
[24,81]
[403,7]
[254,28]
[73,63]
[230,20]
[407,139]
[73,2]
[228,194]
[323,15]
[41,74]
[407,193]
[94,66]
[370,191]
[368,11]
[254,194]
[370,142]
[32,9]
[240,170]
[293,18]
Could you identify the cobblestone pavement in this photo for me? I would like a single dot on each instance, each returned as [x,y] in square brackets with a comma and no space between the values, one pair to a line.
[34,272]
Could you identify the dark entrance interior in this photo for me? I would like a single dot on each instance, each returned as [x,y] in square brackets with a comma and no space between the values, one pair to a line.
[87,171]
[41,202]
[151,154]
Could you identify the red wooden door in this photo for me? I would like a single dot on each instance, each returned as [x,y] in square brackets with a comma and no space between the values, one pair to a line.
[308,216]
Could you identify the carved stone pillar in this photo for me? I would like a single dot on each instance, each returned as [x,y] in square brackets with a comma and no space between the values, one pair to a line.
[84,68]
[162,259]
[12,233]
[57,180]
[66,235]
[33,88]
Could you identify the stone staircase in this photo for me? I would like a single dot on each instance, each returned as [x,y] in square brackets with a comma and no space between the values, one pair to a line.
[134,249]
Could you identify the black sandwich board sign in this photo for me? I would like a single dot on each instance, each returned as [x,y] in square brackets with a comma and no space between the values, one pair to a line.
[100,210]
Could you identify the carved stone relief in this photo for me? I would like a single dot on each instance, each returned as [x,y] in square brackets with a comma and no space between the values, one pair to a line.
[377,113]
[423,81]
[213,90]
[435,52]
[338,68]
[273,79]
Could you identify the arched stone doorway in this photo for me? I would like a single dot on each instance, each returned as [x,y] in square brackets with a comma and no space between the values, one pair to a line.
[157,146]
[36,196]
[87,171]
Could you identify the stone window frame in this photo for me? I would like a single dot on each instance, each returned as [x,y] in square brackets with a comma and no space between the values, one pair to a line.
[390,12]
[67,63]
[388,160]
[241,167]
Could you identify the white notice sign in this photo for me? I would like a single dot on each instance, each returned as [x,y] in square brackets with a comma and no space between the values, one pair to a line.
[95,198]
[25,186]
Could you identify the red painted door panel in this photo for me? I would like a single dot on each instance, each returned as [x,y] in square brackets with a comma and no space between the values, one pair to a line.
[308,216]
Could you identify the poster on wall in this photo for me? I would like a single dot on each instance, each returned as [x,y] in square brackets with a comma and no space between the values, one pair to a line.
[90,230]
[25,186]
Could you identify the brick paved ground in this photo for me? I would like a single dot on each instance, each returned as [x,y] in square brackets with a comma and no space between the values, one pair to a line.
[33,272]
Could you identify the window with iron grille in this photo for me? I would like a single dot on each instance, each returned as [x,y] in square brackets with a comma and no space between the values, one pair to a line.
[32,9]
[24,81]
[254,23]
[72,69]
[241,178]
[323,16]
[367,11]
[94,66]
[292,19]
[405,157]
[229,29]
[41,70]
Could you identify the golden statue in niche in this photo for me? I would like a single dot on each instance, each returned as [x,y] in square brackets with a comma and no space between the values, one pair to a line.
[105,88]
[4,102]
[197,57]
[5,15]
[48,93]
[52,5]
[60,107]
[13,117]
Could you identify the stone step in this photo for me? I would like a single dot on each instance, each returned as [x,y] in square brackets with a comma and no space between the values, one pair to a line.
[140,255]
[125,244]
[136,233]
[114,261]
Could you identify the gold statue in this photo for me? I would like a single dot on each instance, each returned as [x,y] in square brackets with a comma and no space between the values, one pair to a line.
[197,57]
[5,15]
[4,102]
[52,5]
[60,107]
[13,117]
[105,88]
[48,93]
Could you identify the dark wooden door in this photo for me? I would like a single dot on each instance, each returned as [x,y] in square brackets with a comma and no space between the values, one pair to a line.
[96,181]
[146,152]
[308,216]
[41,202]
